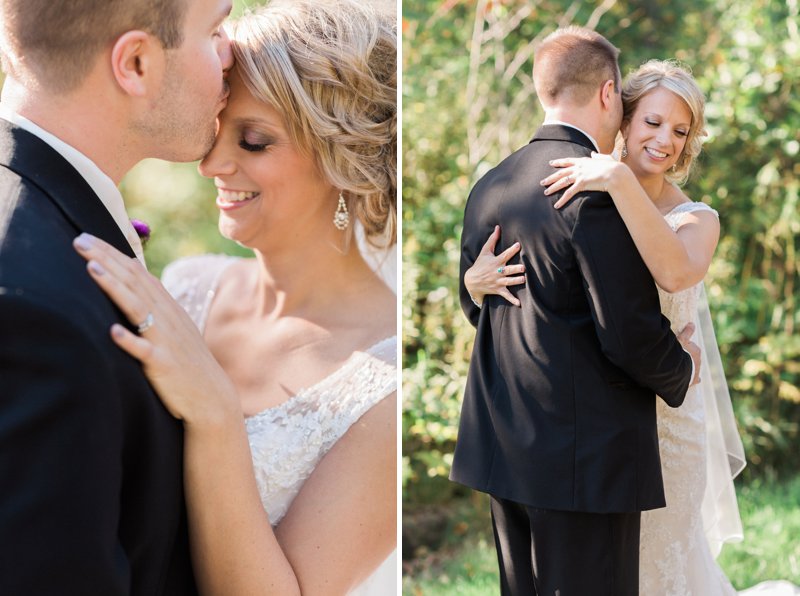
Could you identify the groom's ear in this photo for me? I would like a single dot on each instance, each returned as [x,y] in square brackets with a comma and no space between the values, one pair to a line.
[607,92]
[135,58]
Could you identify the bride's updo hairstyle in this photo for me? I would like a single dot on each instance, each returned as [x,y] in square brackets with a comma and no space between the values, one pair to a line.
[670,75]
[329,67]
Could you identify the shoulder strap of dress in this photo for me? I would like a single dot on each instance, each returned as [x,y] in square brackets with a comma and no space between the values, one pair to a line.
[193,281]
[386,350]
[692,207]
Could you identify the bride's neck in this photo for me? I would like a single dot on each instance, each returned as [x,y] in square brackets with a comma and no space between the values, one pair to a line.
[300,279]
[654,185]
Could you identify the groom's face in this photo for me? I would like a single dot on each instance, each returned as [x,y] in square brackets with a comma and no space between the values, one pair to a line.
[194,90]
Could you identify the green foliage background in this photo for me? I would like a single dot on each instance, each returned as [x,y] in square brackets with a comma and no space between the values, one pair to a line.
[468,102]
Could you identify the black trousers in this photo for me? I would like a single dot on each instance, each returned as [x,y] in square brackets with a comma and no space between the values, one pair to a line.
[563,553]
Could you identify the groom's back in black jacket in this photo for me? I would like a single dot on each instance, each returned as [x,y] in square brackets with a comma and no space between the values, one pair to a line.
[559,408]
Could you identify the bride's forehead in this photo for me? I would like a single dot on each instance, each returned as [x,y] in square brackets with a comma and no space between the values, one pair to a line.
[663,101]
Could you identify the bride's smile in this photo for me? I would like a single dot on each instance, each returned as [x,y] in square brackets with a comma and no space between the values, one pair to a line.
[232,199]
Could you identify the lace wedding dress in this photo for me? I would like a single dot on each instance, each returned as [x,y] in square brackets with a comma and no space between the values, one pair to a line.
[289,440]
[701,453]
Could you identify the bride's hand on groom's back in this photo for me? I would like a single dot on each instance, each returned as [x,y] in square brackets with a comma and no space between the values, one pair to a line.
[693,349]
[491,274]
[174,356]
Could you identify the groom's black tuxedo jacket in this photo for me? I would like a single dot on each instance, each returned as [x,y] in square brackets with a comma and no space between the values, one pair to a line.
[559,408]
[91,499]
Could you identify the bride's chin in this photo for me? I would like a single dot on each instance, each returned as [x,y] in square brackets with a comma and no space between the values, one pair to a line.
[228,230]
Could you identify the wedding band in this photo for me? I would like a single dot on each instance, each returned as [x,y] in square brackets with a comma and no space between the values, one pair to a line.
[500,269]
[146,324]
[568,179]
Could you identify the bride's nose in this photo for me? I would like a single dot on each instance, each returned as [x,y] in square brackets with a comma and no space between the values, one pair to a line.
[218,161]
[663,135]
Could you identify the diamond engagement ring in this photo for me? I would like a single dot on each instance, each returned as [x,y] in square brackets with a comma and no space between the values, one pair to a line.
[146,324]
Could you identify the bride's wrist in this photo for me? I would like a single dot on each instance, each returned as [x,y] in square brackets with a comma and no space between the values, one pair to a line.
[618,179]
[218,409]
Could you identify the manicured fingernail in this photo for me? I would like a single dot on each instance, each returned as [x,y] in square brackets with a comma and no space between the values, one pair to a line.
[117,331]
[96,268]
[84,241]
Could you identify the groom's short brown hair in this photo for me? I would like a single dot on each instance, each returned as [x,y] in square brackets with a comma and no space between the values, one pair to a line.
[56,41]
[573,63]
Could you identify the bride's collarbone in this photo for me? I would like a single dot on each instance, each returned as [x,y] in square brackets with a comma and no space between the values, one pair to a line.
[268,366]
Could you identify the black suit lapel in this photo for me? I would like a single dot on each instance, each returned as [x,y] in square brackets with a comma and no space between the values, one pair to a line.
[31,158]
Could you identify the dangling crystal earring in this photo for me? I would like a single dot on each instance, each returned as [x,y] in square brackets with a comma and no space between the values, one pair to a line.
[341,219]
[624,149]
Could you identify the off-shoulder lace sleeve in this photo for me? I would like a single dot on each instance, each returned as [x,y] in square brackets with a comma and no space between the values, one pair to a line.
[675,216]
[193,282]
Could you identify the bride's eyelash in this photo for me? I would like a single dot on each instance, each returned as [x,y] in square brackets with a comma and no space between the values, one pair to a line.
[681,133]
[254,141]
[251,147]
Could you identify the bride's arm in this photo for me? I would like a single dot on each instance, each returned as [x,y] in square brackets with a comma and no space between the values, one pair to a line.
[341,524]
[234,550]
[676,260]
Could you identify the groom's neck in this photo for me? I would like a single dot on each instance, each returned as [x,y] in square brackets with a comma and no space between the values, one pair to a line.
[81,119]
[585,118]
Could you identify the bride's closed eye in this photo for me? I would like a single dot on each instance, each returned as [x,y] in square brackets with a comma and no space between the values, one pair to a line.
[655,124]
[253,142]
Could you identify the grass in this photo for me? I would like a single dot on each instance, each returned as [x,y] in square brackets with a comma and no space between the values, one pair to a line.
[467,565]
[771,546]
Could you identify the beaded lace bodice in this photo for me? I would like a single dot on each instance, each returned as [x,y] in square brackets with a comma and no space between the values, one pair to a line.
[289,440]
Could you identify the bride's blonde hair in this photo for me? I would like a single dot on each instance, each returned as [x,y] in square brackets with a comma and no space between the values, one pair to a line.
[677,78]
[329,67]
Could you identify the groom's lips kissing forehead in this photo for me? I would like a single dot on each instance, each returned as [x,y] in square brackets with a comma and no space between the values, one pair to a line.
[228,198]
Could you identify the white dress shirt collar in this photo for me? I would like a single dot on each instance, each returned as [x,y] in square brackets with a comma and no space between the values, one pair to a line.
[560,123]
[100,183]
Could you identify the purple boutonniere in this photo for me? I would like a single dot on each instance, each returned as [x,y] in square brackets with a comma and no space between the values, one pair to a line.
[142,229]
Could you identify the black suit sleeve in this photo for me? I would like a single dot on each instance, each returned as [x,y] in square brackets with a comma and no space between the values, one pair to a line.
[60,456]
[473,236]
[623,299]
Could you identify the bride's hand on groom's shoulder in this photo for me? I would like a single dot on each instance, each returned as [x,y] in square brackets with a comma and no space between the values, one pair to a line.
[576,174]
[174,356]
